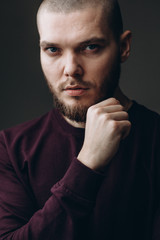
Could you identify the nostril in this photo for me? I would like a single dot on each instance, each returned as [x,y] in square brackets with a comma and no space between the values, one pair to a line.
[73,70]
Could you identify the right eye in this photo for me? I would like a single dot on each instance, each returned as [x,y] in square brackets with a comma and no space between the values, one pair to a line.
[52,51]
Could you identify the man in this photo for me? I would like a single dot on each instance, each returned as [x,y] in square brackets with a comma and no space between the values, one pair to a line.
[88,169]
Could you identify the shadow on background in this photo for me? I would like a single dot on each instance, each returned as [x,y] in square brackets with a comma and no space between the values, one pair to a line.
[23,92]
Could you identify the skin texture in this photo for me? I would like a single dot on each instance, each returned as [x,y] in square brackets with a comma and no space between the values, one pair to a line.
[80,60]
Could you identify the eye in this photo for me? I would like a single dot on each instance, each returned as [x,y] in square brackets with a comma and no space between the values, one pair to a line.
[52,49]
[92,47]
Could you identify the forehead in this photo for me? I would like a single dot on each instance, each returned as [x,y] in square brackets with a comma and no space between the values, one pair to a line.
[74,26]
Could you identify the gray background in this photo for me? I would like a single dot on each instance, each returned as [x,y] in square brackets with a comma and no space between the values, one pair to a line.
[23,92]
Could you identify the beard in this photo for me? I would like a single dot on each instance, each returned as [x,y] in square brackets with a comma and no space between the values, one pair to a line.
[78,112]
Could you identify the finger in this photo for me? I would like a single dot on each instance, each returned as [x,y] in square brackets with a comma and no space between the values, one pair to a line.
[125,128]
[113,108]
[118,116]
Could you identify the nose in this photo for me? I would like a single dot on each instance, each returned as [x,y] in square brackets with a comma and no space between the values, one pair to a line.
[72,66]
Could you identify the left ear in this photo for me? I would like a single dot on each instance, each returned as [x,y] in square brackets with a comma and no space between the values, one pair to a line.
[125,45]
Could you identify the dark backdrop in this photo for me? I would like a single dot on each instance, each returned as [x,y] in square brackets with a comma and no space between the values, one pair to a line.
[23,92]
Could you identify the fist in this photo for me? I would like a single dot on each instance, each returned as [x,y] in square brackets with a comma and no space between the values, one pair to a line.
[106,125]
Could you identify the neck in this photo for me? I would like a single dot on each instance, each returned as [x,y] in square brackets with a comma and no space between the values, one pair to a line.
[124,101]
[74,123]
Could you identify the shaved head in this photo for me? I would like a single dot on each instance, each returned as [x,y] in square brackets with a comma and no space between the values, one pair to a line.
[110,10]
[72,5]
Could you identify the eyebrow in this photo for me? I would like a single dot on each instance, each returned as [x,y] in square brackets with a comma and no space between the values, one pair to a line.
[45,44]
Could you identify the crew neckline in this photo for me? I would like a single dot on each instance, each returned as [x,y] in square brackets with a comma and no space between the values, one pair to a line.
[65,125]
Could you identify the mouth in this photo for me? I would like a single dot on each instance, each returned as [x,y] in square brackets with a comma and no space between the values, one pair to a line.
[75,91]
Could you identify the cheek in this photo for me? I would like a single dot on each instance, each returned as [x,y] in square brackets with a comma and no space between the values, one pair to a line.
[51,70]
[99,70]
[103,64]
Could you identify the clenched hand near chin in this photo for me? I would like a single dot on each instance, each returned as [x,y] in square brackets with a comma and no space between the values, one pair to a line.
[107,124]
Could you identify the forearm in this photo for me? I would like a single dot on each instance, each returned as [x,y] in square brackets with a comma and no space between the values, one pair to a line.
[66,210]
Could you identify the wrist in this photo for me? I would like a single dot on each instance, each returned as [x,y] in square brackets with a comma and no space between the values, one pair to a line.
[90,162]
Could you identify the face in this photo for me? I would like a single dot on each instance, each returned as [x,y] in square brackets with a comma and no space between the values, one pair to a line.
[80,59]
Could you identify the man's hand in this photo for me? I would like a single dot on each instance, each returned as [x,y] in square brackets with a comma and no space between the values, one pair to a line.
[107,124]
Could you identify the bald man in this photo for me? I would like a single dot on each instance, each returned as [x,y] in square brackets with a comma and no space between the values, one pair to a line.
[88,169]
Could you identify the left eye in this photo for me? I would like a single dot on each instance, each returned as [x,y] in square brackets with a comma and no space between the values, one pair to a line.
[92,47]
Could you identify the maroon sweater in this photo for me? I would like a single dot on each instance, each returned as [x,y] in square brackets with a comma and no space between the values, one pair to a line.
[47,194]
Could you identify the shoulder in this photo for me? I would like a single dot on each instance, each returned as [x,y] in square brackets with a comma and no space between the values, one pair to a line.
[30,129]
[140,114]
[145,124]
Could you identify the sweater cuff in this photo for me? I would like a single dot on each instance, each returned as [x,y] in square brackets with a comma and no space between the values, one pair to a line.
[82,181]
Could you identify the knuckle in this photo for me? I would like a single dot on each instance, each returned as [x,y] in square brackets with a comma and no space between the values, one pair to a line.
[95,110]
[91,107]
[104,118]
[107,116]
[113,124]
[90,110]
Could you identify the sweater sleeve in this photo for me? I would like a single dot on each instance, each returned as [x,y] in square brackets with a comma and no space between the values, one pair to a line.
[64,214]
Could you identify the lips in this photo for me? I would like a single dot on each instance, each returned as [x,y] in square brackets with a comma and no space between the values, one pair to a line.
[75,90]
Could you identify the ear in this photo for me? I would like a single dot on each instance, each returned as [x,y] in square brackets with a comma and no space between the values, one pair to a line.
[125,45]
